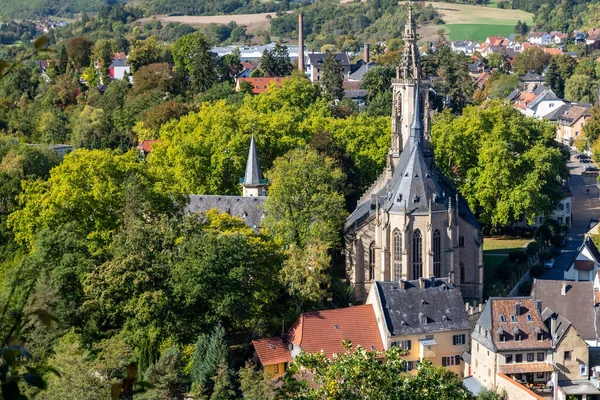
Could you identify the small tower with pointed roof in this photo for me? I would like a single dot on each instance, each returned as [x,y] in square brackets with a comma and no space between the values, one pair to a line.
[253,183]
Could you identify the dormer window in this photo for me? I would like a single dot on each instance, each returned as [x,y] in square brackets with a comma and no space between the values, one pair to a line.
[529,318]
[518,337]
[513,318]
[272,346]
[502,318]
[540,336]
[336,326]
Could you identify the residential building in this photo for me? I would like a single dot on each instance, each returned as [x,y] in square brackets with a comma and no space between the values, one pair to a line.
[426,318]
[570,124]
[529,82]
[593,35]
[250,206]
[272,355]
[259,85]
[314,65]
[585,263]
[145,147]
[252,54]
[327,330]
[358,75]
[537,105]
[579,37]
[511,338]
[558,37]
[539,38]
[411,222]
[467,47]
[119,69]
[553,51]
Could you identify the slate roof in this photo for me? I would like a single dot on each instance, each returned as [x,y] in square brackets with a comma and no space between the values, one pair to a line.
[440,302]
[253,175]
[326,330]
[513,95]
[561,325]
[577,304]
[361,71]
[532,78]
[319,58]
[573,114]
[557,113]
[272,351]
[591,246]
[250,209]
[547,95]
[528,322]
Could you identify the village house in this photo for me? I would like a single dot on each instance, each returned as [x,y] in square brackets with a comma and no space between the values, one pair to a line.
[511,340]
[539,38]
[145,147]
[570,123]
[259,85]
[313,65]
[426,318]
[558,37]
[272,355]
[584,265]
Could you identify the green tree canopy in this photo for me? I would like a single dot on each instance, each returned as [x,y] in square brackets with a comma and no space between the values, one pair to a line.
[581,89]
[332,77]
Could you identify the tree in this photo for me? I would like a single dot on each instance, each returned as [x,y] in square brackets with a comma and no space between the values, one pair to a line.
[507,166]
[581,89]
[378,79]
[499,86]
[276,62]
[359,374]
[223,387]
[554,78]
[487,394]
[591,129]
[253,383]
[192,57]
[90,129]
[145,52]
[534,59]
[79,50]
[332,77]
[210,354]
[153,77]
[167,376]
[102,53]
[63,60]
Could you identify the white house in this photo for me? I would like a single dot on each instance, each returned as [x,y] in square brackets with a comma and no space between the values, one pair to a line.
[119,69]
[584,266]
[539,38]
[558,37]
[543,104]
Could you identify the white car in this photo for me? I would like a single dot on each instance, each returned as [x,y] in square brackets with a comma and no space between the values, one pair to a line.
[549,263]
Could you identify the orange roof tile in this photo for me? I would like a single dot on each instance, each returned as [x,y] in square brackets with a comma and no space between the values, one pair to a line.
[524,368]
[554,51]
[146,145]
[272,351]
[528,323]
[260,85]
[326,330]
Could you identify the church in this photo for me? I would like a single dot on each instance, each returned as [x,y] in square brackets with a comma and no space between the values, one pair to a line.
[412,223]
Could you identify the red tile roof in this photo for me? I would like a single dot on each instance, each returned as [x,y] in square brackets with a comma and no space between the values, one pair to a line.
[260,85]
[524,368]
[119,56]
[248,65]
[146,145]
[272,351]
[553,51]
[528,322]
[326,330]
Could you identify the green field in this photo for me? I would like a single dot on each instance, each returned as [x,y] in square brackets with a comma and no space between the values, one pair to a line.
[497,245]
[477,32]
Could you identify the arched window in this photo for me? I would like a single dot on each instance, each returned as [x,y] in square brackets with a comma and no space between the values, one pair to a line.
[462,272]
[372,261]
[437,254]
[417,256]
[397,254]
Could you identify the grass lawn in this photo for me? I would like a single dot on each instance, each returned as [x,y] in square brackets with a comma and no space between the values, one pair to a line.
[494,245]
[478,32]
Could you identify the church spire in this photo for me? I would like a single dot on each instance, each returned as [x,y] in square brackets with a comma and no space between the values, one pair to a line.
[416,128]
[253,182]
[409,61]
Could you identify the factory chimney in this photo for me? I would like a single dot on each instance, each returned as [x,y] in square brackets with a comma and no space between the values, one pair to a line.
[367,56]
[301,42]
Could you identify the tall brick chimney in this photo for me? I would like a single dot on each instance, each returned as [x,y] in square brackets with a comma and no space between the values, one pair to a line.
[367,55]
[301,42]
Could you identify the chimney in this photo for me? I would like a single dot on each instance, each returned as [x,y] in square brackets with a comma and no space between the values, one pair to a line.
[301,42]
[563,289]
[480,307]
[367,55]
[517,309]
[422,283]
[553,325]
[467,306]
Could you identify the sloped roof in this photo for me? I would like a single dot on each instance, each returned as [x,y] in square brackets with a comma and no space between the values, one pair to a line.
[547,95]
[146,145]
[253,175]
[361,71]
[326,330]
[561,325]
[272,351]
[250,209]
[260,85]
[591,246]
[528,322]
[577,303]
[553,51]
[574,113]
[440,302]
[557,113]
[319,58]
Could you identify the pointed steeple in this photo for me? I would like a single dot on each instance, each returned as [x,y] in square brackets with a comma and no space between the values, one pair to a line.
[409,61]
[253,182]
[416,128]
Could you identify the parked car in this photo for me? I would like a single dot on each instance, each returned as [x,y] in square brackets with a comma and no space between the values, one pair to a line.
[585,160]
[592,168]
[580,156]
[549,263]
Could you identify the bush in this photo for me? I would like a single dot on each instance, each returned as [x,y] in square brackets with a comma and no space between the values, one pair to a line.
[504,272]
[536,271]
[525,288]
[533,248]
[438,21]
[517,256]
[503,4]
[556,240]
[546,255]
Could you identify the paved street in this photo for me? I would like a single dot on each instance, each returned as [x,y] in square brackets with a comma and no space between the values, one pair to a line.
[584,207]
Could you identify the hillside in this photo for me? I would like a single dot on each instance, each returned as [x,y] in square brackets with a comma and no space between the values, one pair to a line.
[43,8]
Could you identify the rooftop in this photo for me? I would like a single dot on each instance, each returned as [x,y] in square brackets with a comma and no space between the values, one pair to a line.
[272,351]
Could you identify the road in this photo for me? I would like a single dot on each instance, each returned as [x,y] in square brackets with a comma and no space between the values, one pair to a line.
[584,206]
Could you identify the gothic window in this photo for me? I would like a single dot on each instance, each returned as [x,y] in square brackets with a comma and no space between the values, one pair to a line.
[462,272]
[397,254]
[417,256]
[437,253]
[372,261]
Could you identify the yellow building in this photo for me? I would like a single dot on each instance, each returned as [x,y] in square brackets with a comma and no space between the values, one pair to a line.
[272,354]
[426,318]
[571,123]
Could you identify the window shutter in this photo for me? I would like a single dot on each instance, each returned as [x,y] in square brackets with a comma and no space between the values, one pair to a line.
[457,360]
[464,340]
[454,340]
[443,361]
[408,344]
